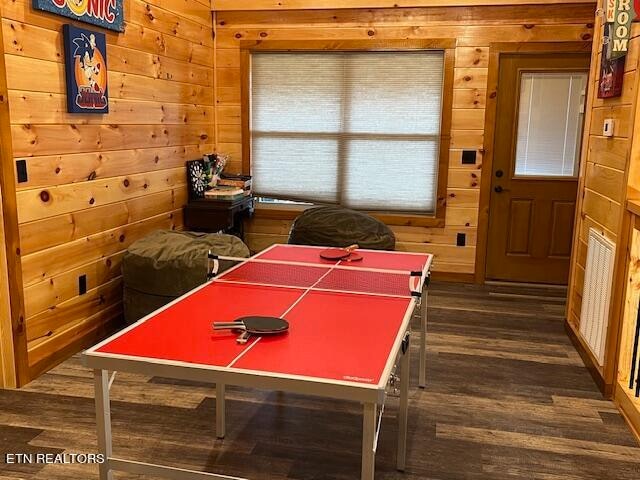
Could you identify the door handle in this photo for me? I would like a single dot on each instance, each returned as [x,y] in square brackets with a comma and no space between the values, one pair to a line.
[498,189]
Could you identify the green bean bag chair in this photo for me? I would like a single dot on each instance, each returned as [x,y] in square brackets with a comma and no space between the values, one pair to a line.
[340,227]
[167,264]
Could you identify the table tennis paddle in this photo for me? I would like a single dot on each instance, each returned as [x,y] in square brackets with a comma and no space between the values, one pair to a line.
[347,254]
[254,325]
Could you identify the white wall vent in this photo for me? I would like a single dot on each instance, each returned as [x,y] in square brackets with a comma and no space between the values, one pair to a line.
[596,295]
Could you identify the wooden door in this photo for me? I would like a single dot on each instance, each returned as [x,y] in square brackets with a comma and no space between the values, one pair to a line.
[534,181]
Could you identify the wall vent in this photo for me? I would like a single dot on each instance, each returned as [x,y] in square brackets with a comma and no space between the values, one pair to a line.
[596,295]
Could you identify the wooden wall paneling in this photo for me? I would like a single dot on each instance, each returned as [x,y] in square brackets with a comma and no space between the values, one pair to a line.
[627,298]
[14,328]
[602,192]
[407,16]
[98,183]
[467,35]
[31,140]
[52,170]
[137,37]
[47,294]
[563,27]
[43,203]
[83,223]
[56,348]
[47,323]
[7,360]
[222,5]
[44,264]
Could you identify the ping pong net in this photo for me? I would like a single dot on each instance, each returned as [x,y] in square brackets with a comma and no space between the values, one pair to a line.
[318,277]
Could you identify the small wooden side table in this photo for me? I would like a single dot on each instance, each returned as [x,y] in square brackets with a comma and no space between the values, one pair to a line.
[213,216]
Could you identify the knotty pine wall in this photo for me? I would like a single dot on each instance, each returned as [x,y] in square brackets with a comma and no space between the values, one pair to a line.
[97,183]
[475,28]
[7,373]
[602,191]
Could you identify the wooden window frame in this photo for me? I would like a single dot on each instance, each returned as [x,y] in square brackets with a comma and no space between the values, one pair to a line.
[289,212]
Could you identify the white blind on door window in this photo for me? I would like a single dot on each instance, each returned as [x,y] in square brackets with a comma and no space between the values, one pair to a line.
[361,129]
[550,123]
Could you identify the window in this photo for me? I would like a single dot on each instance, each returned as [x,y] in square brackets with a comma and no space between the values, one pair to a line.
[550,124]
[359,129]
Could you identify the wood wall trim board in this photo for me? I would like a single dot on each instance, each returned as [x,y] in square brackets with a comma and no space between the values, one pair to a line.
[495,51]
[161,71]
[135,36]
[11,236]
[234,5]
[38,204]
[46,295]
[46,44]
[83,223]
[47,354]
[588,359]
[51,108]
[51,322]
[36,140]
[470,35]
[433,15]
[469,98]
[7,360]
[121,85]
[625,229]
[628,409]
[370,45]
[48,263]
[52,170]
[453,277]
[166,21]
[634,207]
[195,10]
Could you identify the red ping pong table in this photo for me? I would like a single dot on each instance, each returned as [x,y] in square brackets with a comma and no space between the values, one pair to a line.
[349,332]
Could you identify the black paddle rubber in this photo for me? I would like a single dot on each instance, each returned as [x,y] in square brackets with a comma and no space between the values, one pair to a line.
[256,325]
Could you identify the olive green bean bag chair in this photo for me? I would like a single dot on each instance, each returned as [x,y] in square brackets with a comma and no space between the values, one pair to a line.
[340,227]
[167,264]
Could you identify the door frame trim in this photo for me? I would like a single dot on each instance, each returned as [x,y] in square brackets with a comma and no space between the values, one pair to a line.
[16,369]
[496,50]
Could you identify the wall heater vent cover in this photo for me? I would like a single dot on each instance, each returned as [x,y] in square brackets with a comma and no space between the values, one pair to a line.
[596,295]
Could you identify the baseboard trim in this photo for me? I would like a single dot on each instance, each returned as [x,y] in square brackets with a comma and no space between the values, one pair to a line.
[589,361]
[453,277]
[629,412]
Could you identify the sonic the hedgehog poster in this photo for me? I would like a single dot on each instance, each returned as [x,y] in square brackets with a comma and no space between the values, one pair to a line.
[86,70]
[104,13]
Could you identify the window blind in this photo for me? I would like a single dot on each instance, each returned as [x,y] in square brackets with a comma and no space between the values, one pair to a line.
[360,129]
[550,123]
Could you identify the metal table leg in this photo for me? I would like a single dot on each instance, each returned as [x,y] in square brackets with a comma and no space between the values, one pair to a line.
[422,381]
[103,421]
[369,424]
[403,412]
[220,411]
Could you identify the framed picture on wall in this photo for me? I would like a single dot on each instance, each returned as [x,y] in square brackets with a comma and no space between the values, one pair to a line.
[611,69]
[86,70]
[104,13]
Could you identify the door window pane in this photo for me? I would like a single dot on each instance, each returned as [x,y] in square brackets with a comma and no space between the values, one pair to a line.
[550,124]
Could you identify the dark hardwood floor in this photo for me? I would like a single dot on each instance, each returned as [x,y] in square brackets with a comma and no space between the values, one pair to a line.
[508,399]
